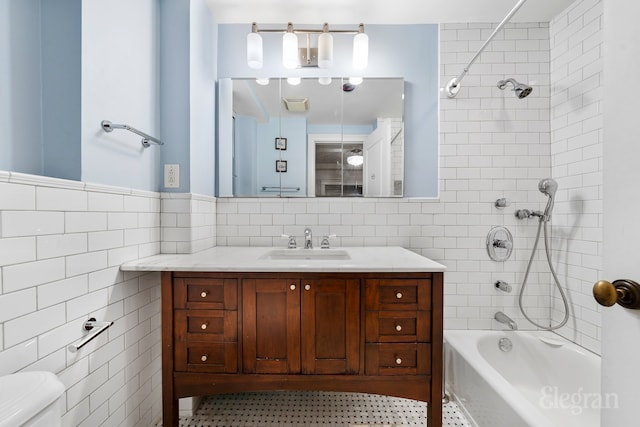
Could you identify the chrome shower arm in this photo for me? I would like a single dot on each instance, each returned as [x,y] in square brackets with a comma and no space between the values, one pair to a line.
[454,84]
[107,126]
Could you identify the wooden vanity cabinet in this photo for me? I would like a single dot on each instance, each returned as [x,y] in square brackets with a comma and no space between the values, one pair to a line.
[293,326]
[361,332]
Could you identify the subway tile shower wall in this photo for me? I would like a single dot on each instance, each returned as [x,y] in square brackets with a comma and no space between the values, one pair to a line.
[576,161]
[61,245]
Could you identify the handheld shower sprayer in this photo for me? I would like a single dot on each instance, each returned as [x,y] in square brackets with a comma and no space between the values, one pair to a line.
[549,187]
[522,90]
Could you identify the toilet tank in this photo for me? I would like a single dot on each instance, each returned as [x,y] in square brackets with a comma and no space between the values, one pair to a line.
[30,399]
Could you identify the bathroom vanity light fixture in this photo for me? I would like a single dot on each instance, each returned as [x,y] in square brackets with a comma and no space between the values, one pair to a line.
[294,56]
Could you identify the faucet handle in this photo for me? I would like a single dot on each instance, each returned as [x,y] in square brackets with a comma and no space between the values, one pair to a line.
[324,244]
[292,241]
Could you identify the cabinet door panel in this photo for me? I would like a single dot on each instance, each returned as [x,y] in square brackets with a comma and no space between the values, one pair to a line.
[330,325]
[271,326]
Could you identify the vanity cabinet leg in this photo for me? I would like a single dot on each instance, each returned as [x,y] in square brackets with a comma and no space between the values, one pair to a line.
[169,412]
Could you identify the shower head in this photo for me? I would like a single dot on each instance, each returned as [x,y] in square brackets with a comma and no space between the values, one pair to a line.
[522,90]
[548,186]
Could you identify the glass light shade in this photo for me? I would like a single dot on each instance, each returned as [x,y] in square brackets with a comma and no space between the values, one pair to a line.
[360,51]
[254,50]
[355,159]
[289,51]
[355,80]
[324,80]
[293,81]
[325,50]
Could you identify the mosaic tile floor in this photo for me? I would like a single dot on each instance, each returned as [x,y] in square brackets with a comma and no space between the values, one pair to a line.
[271,409]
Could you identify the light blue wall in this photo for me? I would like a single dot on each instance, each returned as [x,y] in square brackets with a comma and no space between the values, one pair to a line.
[174,88]
[245,156]
[295,130]
[61,97]
[408,51]
[20,87]
[203,49]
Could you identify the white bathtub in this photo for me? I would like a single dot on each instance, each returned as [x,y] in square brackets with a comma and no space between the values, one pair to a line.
[544,381]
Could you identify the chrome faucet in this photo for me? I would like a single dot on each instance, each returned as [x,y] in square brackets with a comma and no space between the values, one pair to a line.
[503,318]
[308,243]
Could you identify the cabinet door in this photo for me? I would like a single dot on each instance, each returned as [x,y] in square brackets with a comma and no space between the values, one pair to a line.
[271,326]
[330,326]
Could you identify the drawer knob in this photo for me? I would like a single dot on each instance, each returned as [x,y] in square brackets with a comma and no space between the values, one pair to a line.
[399,295]
[307,287]
[398,361]
[398,328]
[203,326]
[204,357]
[204,294]
[292,287]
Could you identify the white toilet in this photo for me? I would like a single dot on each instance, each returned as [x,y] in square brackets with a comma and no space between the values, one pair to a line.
[30,399]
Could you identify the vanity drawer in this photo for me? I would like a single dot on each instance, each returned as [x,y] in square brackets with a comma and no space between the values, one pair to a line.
[398,326]
[398,294]
[398,359]
[207,325]
[205,293]
[208,357]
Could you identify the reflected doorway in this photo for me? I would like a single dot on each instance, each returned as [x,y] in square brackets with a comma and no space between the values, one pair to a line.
[339,170]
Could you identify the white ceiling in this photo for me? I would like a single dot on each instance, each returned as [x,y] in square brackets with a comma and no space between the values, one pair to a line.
[381,11]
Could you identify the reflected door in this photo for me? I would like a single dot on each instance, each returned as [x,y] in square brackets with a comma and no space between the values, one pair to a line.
[377,161]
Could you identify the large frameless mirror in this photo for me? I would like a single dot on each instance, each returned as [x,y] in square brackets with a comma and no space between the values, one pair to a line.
[312,137]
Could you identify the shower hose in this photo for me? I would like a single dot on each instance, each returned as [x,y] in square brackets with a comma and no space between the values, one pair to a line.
[547,248]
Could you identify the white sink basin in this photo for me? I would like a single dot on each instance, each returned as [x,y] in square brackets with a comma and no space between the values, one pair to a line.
[307,254]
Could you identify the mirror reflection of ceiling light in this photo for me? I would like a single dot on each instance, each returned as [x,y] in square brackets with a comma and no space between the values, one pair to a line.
[355,158]
[262,81]
[355,80]
[292,53]
[324,80]
[294,81]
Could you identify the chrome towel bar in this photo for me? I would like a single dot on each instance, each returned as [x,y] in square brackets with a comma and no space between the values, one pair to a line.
[107,126]
[283,189]
[94,328]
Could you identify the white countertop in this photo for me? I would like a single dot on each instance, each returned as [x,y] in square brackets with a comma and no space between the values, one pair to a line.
[255,259]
